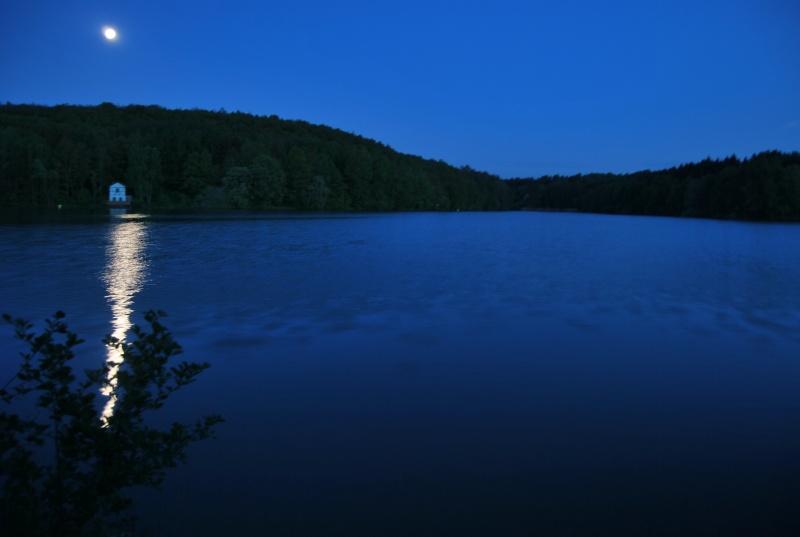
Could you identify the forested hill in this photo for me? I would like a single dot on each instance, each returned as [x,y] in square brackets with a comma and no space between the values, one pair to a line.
[69,155]
[763,187]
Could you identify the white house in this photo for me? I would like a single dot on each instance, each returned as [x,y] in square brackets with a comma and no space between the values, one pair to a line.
[117,195]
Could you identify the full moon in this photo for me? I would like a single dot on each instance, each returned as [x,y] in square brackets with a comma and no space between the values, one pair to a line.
[110,33]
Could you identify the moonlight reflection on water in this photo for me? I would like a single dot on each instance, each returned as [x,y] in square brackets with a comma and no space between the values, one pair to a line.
[126,272]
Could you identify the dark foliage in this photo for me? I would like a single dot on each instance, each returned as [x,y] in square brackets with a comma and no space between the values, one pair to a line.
[65,461]
[764,187]
[69,155]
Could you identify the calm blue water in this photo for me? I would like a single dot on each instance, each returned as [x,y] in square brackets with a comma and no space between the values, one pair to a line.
[453,374]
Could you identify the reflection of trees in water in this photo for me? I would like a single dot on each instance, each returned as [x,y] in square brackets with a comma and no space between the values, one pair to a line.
[126,273]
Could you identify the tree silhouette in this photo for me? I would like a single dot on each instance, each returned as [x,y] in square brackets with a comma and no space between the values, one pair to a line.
[66,459]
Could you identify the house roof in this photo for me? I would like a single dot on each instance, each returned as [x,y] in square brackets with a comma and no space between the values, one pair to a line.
[118,184]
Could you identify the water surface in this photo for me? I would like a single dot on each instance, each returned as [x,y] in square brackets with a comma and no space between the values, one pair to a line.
[453,374]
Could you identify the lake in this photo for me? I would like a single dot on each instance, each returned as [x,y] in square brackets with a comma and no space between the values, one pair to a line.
[513,373]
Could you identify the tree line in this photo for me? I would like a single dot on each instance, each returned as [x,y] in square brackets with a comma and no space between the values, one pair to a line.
[180,159]
[764,187]
[69,155]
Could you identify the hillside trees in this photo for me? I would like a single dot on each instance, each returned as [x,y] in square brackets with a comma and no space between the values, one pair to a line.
[144,172]
[194,158]
[267,186]
[70,155]
[198,173]
[235,186]
[764,187]
[338,197]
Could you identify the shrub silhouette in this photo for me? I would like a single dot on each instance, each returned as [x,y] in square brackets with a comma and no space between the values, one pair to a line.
[64,461]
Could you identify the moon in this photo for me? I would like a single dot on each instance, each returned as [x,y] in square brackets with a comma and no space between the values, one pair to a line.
[110,33]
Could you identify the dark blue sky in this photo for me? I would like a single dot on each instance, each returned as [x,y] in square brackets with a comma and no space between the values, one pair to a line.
[511,87]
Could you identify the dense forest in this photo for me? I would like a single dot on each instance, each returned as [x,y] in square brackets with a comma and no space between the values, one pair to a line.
[763,187]
[69,155]
[180,159]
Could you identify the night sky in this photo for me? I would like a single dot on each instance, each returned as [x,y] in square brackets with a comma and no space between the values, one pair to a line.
[516,88]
